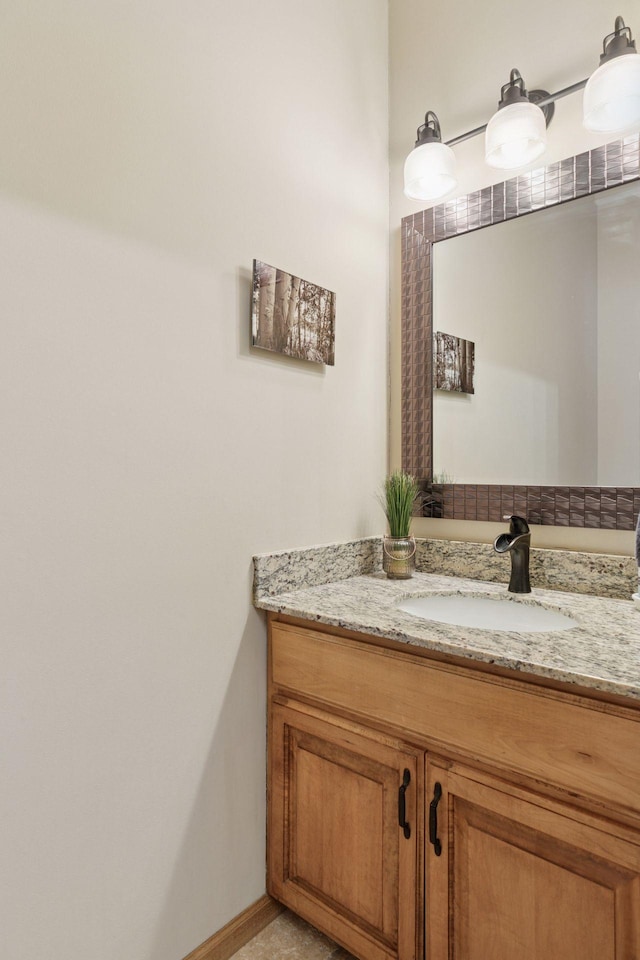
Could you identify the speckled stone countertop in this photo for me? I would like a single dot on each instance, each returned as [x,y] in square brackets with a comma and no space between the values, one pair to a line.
[601,653]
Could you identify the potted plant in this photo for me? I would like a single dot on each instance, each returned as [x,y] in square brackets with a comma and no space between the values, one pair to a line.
[398,548]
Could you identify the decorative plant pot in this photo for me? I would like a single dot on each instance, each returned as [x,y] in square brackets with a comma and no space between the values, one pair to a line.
[398,557]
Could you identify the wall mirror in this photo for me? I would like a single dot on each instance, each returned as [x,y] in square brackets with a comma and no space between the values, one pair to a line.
[551,304]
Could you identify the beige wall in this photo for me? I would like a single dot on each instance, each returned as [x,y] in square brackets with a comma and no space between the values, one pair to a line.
[453,59]
[149,152]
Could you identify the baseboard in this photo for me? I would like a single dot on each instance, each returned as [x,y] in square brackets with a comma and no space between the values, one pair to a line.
[238,931]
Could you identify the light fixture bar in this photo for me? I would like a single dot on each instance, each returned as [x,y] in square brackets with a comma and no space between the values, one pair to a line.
[562,93]
[550,98]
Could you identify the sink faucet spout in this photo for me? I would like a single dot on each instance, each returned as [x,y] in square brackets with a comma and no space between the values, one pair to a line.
[517,543]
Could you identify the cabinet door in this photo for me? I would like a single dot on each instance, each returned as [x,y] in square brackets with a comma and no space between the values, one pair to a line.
[521,876]
[337,853]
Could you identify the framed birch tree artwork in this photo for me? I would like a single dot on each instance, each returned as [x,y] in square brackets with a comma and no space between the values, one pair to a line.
[292,316]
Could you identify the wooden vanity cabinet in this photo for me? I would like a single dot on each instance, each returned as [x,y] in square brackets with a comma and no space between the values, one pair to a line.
[518,875]
[523,805]
[337,855]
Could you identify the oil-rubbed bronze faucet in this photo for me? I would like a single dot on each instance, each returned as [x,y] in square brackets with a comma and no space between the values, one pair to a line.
[517,543]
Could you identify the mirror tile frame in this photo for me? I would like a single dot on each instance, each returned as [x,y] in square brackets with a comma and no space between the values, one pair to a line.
[605,167]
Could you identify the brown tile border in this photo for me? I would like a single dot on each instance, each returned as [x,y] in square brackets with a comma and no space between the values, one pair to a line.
[587,173]
[595,507]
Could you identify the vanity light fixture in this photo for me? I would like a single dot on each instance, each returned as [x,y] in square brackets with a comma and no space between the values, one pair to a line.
[516,134]
[612,95]
[429,170]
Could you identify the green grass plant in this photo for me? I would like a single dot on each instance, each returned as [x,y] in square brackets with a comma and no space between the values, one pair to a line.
[400,491]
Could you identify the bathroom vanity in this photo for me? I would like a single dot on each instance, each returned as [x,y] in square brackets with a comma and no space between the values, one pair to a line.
[452,793]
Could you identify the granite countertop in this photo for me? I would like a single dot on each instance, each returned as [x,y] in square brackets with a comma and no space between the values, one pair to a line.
[601,653]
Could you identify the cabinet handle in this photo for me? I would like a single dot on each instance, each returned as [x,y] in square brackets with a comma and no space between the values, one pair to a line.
[433,820]
[402,809]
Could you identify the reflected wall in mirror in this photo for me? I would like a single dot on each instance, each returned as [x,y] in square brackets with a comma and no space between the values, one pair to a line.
[552,303]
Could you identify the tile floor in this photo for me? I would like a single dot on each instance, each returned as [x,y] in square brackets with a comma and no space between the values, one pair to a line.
[290,938]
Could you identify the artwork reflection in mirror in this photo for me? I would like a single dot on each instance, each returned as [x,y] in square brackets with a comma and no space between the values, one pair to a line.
[453,360]
[552,303]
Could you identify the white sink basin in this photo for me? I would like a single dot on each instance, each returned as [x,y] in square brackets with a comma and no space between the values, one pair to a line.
[487,613]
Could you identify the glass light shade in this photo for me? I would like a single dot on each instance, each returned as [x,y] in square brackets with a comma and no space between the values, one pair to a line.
[429,171]
[516,135]
[612,95]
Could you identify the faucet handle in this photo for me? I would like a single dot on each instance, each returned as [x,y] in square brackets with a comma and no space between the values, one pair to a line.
[518,525]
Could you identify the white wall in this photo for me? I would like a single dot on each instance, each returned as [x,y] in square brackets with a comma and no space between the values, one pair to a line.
[453,59]
[149,152]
